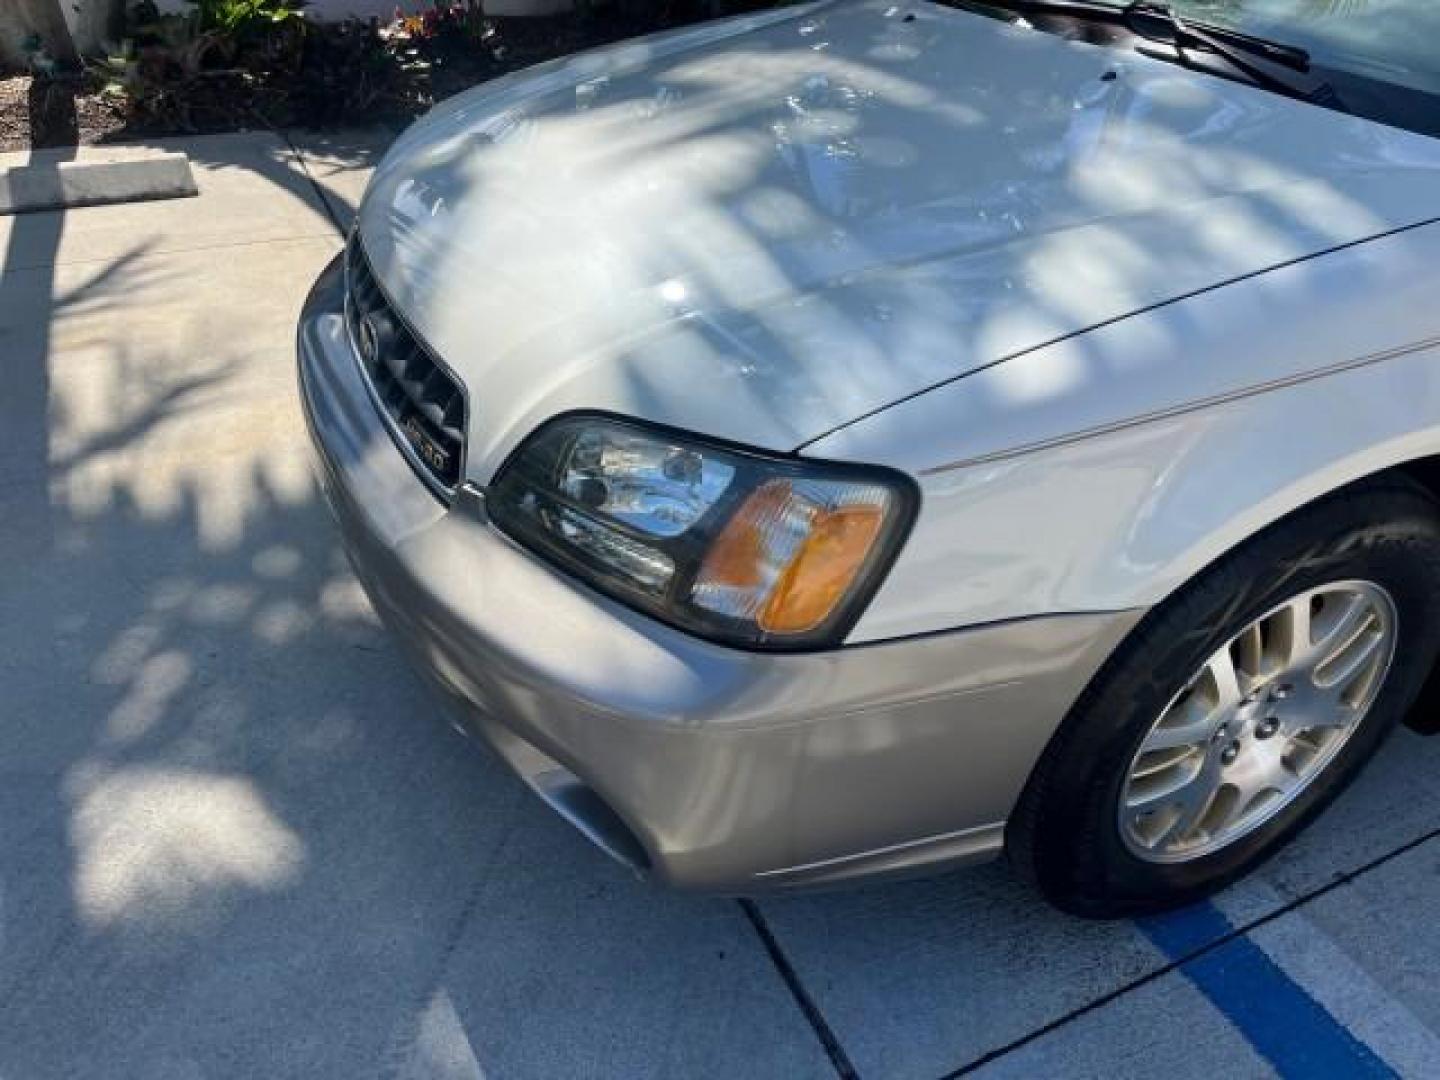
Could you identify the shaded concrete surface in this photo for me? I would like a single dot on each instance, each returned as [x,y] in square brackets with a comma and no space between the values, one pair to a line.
[1381,932]
[980,963]
[235,840]
[252,190]
[1136,1039]
[919,977]
[340,163]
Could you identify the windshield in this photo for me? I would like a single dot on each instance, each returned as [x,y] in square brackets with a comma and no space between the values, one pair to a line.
[1391,41]
[1378,59]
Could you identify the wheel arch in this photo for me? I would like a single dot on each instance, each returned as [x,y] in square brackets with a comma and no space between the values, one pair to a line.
[1300,552]
[1425,715]
[1425,471]
[1422,472]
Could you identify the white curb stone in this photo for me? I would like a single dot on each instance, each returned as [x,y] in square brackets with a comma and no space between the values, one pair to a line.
[51,182]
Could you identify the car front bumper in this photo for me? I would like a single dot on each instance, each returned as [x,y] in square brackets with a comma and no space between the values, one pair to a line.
[704,766]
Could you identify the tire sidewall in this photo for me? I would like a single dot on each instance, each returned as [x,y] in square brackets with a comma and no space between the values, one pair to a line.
[1080,858]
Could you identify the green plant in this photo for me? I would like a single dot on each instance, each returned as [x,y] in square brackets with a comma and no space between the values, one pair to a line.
[214,35]
[245,19]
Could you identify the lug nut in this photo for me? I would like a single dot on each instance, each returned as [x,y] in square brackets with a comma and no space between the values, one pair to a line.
[1229,754]
[1281,692]
[1267,727]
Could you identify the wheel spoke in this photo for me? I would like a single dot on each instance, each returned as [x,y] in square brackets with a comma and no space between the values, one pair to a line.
[1221,667]
[1176,805]
[1156,794]
[1327,712]
[1342,668]
[1298,627]
[1188,724]
[1175,738]
[1223,813]
[1250,646]
[1342,632]
[1184,824]
[1192,801]
[1244,789]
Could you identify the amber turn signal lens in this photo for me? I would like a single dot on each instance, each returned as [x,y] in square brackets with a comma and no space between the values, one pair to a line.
[792,553]
[823,570]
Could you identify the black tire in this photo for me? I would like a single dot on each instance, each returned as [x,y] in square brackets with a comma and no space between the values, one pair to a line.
[1065,835]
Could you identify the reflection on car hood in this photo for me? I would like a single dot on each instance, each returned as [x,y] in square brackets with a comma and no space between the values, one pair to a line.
[768,227]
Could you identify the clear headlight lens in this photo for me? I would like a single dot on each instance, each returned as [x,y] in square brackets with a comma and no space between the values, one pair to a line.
[657,488]
[753,550]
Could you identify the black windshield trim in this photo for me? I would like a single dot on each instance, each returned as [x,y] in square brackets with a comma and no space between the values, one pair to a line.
[1335,89]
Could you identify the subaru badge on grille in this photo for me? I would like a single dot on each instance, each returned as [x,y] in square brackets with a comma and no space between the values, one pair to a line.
[369,340]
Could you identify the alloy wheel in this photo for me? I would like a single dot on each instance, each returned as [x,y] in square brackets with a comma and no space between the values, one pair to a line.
[1258,722]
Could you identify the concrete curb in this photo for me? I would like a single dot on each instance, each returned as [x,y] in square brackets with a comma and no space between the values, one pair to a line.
[55,185]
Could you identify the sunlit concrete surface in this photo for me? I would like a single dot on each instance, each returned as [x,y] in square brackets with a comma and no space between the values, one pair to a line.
[236,840]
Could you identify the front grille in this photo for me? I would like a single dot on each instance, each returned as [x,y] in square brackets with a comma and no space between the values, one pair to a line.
[423,402]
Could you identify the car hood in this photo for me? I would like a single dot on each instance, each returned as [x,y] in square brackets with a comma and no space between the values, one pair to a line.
[768,227]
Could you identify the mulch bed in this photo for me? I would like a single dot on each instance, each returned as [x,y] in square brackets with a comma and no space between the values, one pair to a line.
[43,112]
[351,75]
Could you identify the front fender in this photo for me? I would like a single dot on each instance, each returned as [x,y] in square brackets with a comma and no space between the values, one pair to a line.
[1102,472]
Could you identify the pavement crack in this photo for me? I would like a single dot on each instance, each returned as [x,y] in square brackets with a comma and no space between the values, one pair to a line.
[395,1058]
[816,1019]
[1342,878]
[315,184]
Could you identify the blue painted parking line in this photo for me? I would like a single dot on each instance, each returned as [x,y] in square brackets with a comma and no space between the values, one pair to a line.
[1285,1025]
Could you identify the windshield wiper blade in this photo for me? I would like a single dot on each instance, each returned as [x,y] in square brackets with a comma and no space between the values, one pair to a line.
[1271,64]
[1266,63]
[1218,39]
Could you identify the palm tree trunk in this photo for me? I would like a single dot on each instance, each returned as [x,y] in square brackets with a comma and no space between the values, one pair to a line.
[46,18]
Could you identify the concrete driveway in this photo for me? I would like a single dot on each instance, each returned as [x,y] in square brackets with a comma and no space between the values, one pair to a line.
[236,841]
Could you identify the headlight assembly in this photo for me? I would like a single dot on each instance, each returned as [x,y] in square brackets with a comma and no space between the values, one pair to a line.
[760,551]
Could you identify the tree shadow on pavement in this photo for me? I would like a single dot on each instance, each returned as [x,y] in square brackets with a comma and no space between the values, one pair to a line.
[233,837]
[236,835]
